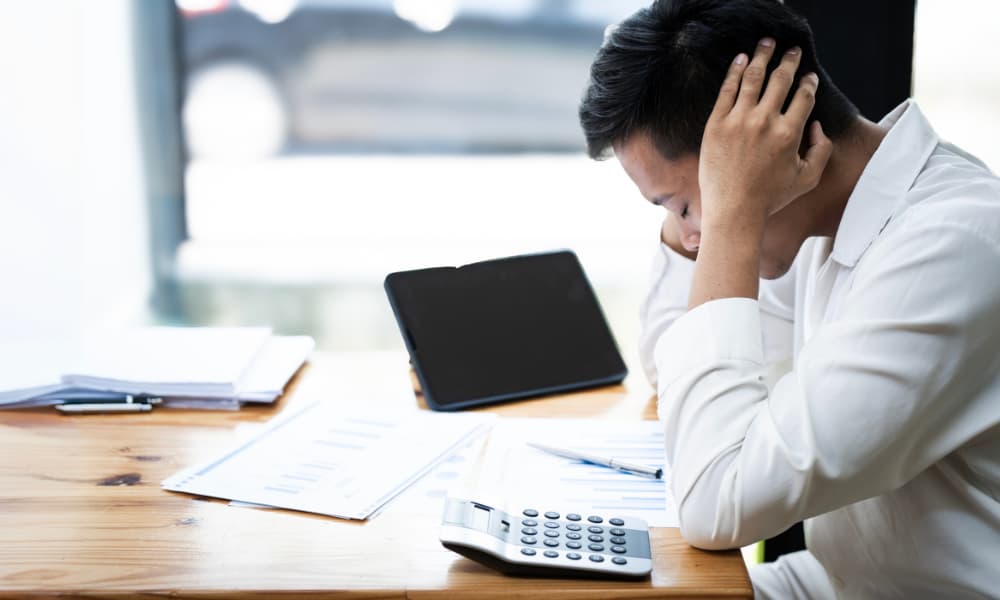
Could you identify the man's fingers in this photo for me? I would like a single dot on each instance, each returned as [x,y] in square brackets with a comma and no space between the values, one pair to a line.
[817,155]
[753,77]
[780,80]
[730,86]
[803,102]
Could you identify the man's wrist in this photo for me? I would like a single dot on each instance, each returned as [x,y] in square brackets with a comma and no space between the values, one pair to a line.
[747,224]
[728,262]
[738,240]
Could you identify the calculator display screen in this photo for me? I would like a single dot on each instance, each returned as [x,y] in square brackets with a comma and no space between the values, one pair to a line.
[481,518]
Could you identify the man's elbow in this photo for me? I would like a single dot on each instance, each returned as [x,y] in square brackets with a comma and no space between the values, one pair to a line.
[709,529]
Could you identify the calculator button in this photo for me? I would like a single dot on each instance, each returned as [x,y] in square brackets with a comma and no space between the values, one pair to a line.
[617,522]
[573,527]
[551,543]
[572,536]
[529,531]
[573,517]
[530,512]
[551,515]
[617,531]
[618,549]
[551,553]
[552,524]
[596,548]
[551,533]
[528,551]
[619,560]
[573,556]
[595,529]
[529,522]
[573,545]
[528,540]
[596,558]
[595,538]
[591,518]
[618,540]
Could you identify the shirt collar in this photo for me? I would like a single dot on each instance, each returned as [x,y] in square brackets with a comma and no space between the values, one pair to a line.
[888,176]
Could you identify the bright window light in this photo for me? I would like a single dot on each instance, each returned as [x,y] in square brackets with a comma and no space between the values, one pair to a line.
[428,15]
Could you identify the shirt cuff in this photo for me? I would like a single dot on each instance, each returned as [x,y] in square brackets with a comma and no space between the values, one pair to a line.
[721,330]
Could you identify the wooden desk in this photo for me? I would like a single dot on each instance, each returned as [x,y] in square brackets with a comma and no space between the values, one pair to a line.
[82,512]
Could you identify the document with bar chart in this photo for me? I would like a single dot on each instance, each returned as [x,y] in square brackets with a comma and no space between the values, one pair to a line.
[323,461]
[507,469]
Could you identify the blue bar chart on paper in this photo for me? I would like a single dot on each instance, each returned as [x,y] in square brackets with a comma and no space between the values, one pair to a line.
[323,461]
[516,474]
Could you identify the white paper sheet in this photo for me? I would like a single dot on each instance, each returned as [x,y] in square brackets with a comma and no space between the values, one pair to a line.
[32,368]
[506,471]
[188,367]
[323,461]
[273,367]
[170,361]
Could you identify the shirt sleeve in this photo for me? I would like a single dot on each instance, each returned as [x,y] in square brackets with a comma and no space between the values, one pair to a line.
[667,300]
[903,377]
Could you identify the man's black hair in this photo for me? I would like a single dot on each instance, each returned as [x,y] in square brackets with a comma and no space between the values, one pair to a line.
[660,71]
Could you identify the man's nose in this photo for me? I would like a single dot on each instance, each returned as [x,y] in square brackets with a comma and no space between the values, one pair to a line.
[691,240]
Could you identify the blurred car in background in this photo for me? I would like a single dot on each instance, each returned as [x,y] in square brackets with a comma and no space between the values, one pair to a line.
[269,77]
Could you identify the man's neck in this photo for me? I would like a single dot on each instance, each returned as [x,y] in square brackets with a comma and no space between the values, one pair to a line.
[851,155]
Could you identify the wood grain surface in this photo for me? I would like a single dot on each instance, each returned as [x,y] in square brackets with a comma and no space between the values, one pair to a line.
[82,512]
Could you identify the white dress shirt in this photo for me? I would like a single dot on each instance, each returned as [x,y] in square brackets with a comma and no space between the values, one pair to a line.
[860,393]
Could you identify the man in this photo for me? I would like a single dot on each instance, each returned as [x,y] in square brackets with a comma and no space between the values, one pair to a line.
[857,387]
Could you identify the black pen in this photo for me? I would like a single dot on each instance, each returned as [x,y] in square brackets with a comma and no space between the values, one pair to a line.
[124,404]
[125,399]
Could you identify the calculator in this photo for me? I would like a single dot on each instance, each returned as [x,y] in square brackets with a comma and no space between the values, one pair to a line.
[540,542]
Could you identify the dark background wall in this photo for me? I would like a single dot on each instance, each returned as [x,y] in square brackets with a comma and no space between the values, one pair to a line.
[867,48]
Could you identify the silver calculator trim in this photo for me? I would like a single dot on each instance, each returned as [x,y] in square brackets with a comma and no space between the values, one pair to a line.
[463,536]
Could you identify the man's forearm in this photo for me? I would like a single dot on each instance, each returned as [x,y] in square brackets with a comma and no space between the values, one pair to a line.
[728,263]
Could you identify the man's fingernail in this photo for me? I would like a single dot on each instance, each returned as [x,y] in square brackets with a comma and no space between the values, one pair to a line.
[740,59]
[814,77]
[767,42]
[793,51]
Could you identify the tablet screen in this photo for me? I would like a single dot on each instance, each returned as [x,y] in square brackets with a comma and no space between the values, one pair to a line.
[504,329]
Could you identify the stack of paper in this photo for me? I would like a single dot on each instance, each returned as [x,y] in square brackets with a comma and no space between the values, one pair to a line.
[518,475]
[321,460]
[504,471]
[210,367]
[33,368]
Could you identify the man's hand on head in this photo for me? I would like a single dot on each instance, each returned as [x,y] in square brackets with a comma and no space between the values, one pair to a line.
[750,167]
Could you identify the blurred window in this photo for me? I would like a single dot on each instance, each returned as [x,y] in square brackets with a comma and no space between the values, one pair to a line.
[955,76]
[333,141]
[285,77]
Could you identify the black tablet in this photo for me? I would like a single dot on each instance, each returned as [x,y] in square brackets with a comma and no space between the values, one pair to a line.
[503,329]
